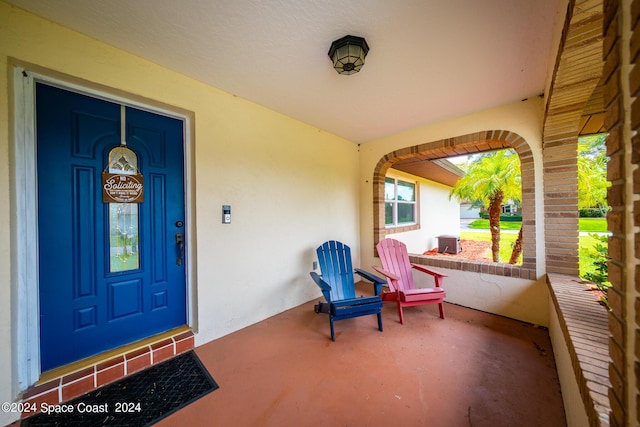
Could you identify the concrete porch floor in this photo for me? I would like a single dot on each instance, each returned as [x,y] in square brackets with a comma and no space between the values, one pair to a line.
[471,369]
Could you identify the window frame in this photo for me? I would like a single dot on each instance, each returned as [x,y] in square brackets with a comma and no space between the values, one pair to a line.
[415,203]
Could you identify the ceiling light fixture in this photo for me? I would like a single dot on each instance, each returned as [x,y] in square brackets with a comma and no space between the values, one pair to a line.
[347,54]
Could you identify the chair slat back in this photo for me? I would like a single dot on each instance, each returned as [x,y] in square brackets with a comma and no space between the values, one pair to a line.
[395,259]
[335,264]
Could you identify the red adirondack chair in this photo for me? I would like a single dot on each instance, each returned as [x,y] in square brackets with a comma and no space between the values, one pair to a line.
[397,268]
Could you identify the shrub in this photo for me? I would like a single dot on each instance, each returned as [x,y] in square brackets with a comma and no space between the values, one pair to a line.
[593,213]
[505,217]
[599,275]
[511,218]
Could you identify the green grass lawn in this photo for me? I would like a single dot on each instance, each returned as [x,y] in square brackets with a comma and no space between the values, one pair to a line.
[589,225]
[586,244]
[593,225]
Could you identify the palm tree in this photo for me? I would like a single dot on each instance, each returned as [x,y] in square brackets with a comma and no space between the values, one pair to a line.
[592,172]
[492,179]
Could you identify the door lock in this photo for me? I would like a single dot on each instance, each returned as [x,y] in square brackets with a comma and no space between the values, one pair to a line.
[179,247]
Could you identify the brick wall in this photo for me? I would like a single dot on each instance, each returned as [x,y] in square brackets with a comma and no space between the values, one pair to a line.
[634,90]
[584,329]
[618,53]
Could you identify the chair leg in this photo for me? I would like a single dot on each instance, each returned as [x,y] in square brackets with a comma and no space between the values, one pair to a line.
[380,322]
[400,313]
[441,307]
[333,335]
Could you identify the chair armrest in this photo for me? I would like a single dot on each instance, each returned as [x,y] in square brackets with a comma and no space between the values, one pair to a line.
[377,281]
[370,277]
[321,283]
[437,276]
[385,273]
[392,282]
[428,270]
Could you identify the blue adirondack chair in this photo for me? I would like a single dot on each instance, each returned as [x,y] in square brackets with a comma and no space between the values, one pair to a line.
[338,288]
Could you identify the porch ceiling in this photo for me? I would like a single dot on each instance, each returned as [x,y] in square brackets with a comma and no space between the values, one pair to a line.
[575,104]
[429,61]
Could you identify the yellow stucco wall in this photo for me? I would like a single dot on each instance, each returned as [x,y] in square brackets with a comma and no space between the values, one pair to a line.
[290,185]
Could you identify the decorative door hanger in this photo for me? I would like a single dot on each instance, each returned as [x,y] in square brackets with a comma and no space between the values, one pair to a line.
[121,181]
[122,188]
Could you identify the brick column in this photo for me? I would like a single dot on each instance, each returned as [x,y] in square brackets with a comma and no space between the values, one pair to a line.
[575,78]
[561,204]
[622,84]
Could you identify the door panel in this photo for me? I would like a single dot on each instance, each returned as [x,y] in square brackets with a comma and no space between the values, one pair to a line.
[85,307]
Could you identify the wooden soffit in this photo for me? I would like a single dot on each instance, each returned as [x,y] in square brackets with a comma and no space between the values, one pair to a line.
[441,170]
[574,105]
[592,120]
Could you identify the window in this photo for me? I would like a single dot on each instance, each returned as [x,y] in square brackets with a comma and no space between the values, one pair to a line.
[510,208]
[399,202]
[123,217]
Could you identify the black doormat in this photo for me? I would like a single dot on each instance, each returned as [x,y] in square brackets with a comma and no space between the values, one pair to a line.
[141,399]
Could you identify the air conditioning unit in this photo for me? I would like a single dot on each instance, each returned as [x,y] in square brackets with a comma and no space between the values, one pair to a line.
[449,244]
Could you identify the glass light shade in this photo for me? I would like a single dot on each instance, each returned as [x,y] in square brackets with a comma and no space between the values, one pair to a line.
[347,54]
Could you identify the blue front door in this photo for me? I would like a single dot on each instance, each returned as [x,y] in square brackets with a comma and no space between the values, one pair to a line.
[109,273]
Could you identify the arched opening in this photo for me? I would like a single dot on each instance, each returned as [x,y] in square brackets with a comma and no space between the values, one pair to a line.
[467,144]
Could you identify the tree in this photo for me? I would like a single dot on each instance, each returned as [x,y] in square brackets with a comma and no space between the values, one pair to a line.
[491,179]
[592,172]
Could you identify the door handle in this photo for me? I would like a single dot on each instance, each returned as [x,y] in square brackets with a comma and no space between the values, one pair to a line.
[179,247]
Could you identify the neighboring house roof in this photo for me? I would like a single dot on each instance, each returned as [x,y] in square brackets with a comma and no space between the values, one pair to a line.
[440,170]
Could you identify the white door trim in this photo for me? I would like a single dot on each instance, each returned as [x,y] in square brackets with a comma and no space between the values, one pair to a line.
[25,306]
